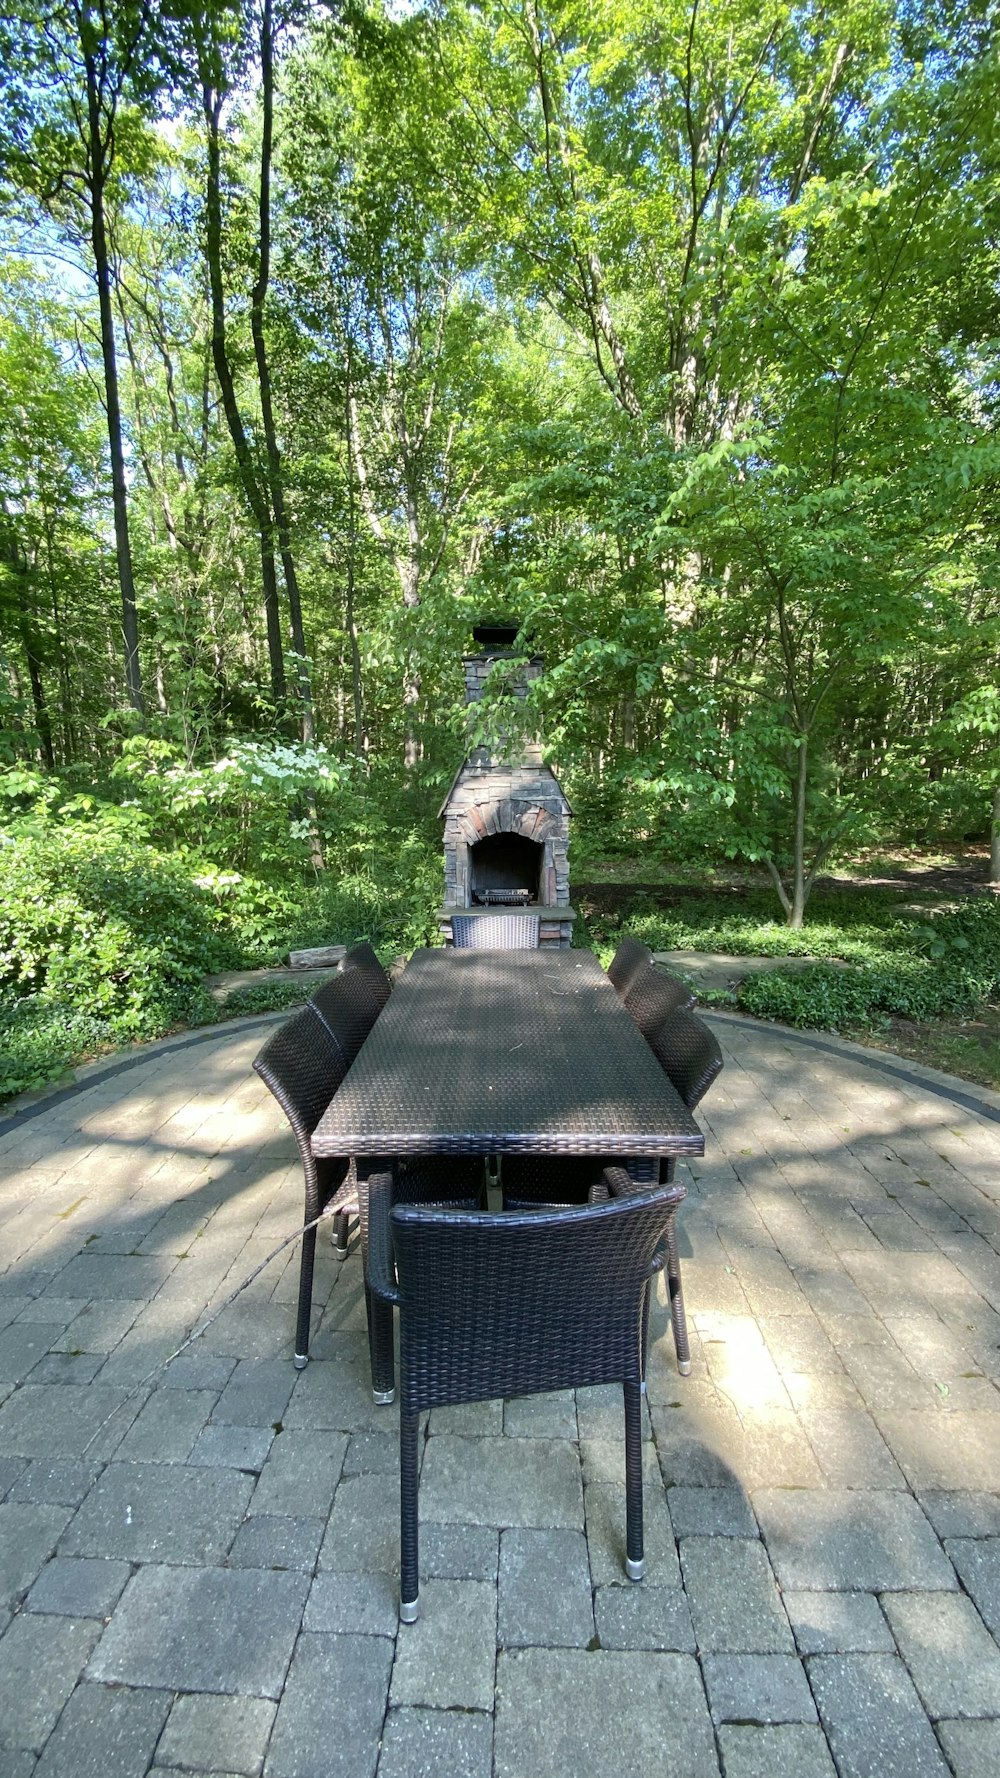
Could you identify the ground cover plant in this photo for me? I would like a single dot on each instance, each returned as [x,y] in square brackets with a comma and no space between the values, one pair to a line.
[885,964]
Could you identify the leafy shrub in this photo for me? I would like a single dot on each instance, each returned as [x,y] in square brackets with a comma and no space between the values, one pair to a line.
[108,928]
[391,900]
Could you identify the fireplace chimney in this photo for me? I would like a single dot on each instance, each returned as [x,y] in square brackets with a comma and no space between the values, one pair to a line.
[506,820]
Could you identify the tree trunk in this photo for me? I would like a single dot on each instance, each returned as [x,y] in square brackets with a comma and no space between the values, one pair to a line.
[995,844]
[255,496]
[119,492]
[258,296]
[798,907]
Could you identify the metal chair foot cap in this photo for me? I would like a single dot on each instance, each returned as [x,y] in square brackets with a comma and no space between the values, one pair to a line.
[300,1360]
[382,1397]
[684,1366]
[340,1252]
[408,1610]
[634,1570]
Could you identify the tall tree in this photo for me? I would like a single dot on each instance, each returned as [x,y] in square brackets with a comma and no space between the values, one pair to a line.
[79,85]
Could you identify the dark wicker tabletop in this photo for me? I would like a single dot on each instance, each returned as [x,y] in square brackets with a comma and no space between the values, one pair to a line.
[506,1052]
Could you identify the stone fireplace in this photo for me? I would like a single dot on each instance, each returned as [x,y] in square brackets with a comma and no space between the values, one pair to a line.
[506,821]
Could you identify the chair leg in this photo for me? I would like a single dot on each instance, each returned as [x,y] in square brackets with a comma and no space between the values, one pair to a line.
[341,1231]
[380,1349]
[379,1313]
[633,1481]
[677,1316]
[644,1331]
[409,1587]
[305,1300]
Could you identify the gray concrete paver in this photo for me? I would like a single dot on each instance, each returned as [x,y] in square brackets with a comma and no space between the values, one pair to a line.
[17,1762]
[843,1539]
[944,1449]
[649,1617]
[791,1750]
[207,1731]
[710,1512]
[952,1659]
[838,1623]
[447,1659]
[565,1710]
[501,1482]
[973,1748]
[757,1689]
[105,1732]
[963,1512]
[157,1512]
[28,1536]
[735,1603]
[264,1542]
[419,1743]
[332,1708]
[203,1629]
[977,1563]
[353,1605]
[545,1595]
[78,1587]
[41,1659]
[873,1718]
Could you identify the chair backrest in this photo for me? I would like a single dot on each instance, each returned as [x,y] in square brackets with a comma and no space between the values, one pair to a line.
[303,1066]
[688,1052]
[510,1304]
[654,995]
[361,956]
[630,959]
[348,1005]
[494,932]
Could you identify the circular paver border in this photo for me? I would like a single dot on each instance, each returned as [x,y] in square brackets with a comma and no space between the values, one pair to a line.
[982,1101]
[33,1105]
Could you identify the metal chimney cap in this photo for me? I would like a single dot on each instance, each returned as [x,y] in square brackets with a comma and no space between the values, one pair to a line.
[496,635]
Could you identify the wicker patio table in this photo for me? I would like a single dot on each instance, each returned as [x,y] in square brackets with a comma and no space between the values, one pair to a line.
[500,1052]
[506,1052]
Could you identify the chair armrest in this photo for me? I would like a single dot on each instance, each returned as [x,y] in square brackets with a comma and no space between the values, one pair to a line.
[616,1183]
[381,1278]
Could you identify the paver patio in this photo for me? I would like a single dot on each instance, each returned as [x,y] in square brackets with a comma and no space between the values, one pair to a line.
[198,1566]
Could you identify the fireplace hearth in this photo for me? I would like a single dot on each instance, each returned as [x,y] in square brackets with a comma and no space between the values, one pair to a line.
[506,821]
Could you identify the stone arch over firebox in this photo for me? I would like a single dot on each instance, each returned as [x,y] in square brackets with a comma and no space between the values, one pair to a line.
[479,820]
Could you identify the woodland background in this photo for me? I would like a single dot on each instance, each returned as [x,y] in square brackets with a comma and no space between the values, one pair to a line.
[669,327]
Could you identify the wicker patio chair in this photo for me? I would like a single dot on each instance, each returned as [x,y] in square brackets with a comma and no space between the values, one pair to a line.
[690,1056]
[630,959]
[362,957]
[303,1064]
[494,932]
[348,1005]
[688,1052]
[497,1305]
[527,1180]
[653,995]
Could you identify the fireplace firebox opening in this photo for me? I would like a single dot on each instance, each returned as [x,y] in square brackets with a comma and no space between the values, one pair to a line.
[506,870]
